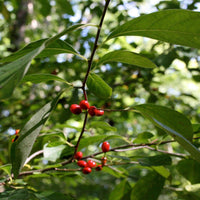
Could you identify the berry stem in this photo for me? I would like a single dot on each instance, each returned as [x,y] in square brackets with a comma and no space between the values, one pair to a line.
[82,131]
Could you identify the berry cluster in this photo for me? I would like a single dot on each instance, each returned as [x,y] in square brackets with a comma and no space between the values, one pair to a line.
[87,166]
[84,105]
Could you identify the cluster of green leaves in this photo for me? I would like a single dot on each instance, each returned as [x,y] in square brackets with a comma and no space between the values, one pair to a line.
[56,134]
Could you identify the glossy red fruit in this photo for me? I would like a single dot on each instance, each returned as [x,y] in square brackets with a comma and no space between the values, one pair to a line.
[98,168]
[78,155]
[87,170]
[91,163]
[98,112]
[91,110]
[75,109]
[105,147]
[84,104]
[103,161]
[17,131]
[81,163]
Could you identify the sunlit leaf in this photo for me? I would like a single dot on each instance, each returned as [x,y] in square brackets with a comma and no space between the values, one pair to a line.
[38,78]
[127,57]
[173,26]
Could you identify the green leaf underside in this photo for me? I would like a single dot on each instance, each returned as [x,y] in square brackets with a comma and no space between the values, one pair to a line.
[149,187]
[127,57]
[174,123]
[38,78]
[98,86]
[12,73]
[22,147]
[173,26]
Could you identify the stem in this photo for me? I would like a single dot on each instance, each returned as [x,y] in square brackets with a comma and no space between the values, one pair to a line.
[86,77]
[33,156]
[95,44]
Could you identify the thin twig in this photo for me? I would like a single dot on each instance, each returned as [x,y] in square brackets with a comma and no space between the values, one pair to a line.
[95,44]
[33,156]
[166,152]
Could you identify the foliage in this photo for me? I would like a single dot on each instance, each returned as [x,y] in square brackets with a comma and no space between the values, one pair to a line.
[142,69]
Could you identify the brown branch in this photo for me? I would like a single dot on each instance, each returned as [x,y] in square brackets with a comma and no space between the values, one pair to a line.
[124,147]
[86,77]
[95,44]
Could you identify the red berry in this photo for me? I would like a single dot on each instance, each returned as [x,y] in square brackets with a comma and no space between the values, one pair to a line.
[91,110]
[14,139]
[91,163]
[99,112]
[75,109]
[78,155]
[103,161]
[87,170]
[98,168]
[105,146]
[84,104]
[81,163]
[17,131]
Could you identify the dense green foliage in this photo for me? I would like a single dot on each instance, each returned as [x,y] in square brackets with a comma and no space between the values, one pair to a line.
[145,76]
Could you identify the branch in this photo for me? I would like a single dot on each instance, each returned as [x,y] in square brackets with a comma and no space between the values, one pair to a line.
[95,44]
[33,156]
[86,77]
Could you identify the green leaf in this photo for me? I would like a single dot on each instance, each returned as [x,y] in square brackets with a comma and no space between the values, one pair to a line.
[57,47]
[127,57]
[120,190]
[110,137]
[6,168]
[18,194]
[85,142]
[38,78]
[12,73]
[174,123]
[193,173]
[143,137]
[155,160]
[53,153]
[173,26]
[103,125]
[162,171]
[114,172]
[196,128]
[149,187]
[22,147]
[98,86]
